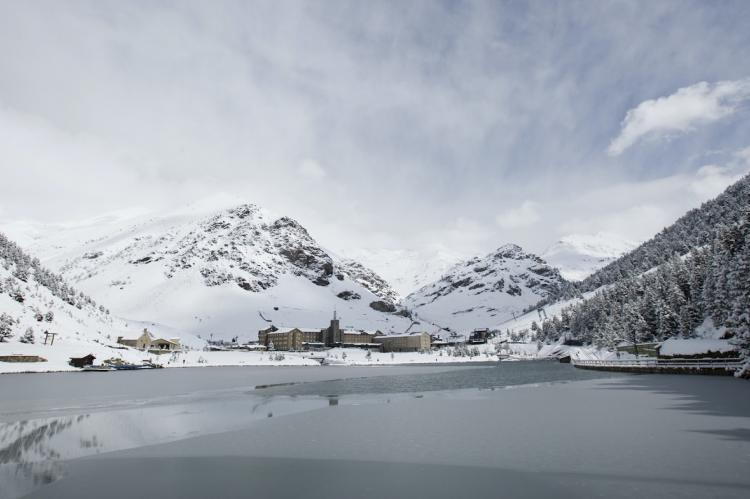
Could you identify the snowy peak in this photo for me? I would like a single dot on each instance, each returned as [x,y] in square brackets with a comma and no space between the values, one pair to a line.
[512,252]
[241,245]
[486,290]
[227,272]
[579,255]
[407,270]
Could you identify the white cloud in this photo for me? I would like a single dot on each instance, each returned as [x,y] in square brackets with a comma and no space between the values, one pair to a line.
[711,180]
[743,155]
[680,112]
[311,169]
[525,215]
[638,210]
[436,112]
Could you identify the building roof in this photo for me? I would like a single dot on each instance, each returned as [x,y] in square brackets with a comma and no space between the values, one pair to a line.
[694,346]
[148,333]
[174,341]
[407,335]
[254,347]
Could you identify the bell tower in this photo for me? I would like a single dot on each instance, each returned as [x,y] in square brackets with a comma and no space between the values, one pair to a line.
[333,334]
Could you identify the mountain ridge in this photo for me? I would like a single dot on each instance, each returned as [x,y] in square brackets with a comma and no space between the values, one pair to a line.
[261,267]
[483,291]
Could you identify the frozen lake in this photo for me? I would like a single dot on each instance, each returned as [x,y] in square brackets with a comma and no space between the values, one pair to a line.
[516,429]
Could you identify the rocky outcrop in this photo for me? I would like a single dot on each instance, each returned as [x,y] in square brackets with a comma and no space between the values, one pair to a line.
[349,295]
[369,279]
[382,306]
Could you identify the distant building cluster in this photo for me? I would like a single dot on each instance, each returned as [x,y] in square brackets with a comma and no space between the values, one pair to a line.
[298,339]
[306,339]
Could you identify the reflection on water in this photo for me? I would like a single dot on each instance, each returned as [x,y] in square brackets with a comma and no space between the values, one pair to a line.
[497,375]
[33,452]
[29,456]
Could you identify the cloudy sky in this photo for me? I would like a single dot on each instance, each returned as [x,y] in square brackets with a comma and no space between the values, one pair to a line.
[385,125]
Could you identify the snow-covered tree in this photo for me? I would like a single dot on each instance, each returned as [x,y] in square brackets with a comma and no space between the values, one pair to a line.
[28,336]
[6,327]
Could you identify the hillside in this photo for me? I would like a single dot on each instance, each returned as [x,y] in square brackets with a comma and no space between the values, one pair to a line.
[227,273]
[34,300]
[485,291]
[705,293]
[698,227]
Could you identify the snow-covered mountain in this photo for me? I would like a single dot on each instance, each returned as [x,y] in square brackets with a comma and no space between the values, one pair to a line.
[482,292]
[34,300]
[579,255]
[228,273]
[407,270]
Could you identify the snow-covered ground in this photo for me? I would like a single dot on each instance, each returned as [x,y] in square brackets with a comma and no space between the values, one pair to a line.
[523,322]
[58,355]
[358,357]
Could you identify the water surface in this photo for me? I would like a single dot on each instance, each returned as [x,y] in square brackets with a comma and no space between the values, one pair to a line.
[516,429]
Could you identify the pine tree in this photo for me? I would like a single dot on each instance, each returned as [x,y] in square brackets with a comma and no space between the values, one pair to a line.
[6,327]
[28,336]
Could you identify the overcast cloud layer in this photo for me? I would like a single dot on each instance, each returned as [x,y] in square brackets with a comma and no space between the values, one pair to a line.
[379,125]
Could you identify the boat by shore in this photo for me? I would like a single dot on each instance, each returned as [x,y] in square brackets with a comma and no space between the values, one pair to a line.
[97,368]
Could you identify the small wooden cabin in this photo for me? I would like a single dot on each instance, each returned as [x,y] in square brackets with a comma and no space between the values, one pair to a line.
[479,336]
[82,361]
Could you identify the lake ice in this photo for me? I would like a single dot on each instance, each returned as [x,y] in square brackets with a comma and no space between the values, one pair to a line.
[524,429]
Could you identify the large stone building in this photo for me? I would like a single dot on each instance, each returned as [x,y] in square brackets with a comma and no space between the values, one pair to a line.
[413,342]
[310,339]
[293,338]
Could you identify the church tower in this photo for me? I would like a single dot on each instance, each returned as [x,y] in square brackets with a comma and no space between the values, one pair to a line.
[333,333]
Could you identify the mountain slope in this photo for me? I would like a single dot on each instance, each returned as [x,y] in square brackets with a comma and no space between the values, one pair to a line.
[225,274]
[407,270]
[705,294]
[34,300]
[696,228]
[481,292]
[579,255]
[692,279]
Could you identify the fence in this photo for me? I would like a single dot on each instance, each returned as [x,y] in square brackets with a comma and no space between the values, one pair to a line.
[652,363]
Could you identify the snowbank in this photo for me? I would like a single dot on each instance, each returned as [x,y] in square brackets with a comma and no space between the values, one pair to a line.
[58,356]
[359,357]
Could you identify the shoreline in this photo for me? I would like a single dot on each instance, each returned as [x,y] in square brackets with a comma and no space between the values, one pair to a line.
[57,358]
[289,366]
